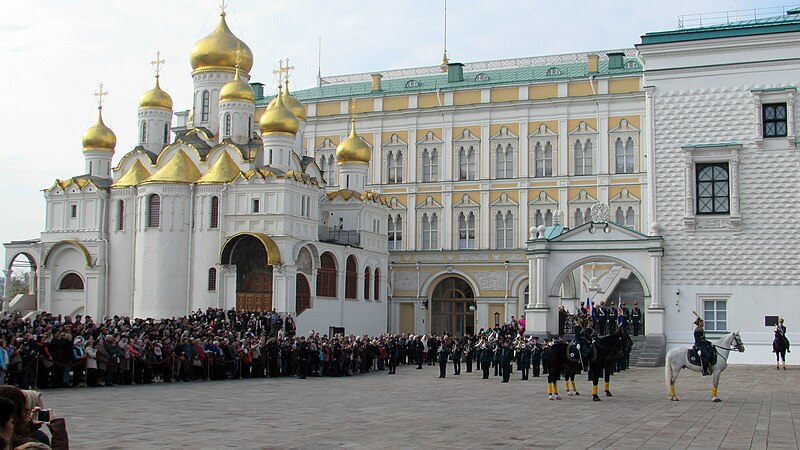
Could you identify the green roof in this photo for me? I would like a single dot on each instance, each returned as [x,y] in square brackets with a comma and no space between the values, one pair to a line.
[767,25]
[492,78]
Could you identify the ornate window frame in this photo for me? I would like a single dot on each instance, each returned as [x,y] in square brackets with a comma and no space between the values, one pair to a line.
[542,203]
[504,138]
[504,205]
[583,201]
[711,153]
[325,154]
[623,131]
[430,206]
[583,133]
[393,147]
[467,141]
[543,136]
[429,143]
[466,206]
[762,97]
[625,200]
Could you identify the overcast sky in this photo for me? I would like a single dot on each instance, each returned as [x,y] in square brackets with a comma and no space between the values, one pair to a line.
[55,53]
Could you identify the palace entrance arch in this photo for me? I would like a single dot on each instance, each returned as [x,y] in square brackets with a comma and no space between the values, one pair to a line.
[561,264]
[450,302]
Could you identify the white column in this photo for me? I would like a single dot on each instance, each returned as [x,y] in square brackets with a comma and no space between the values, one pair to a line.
[532,284]
[446,172]
[523,221]
[411,222]
[541,282]
[485,223]
[563,148]
[649,138]
[485,152]
[523,151]
[446,239]
[411,157]
[7,274]
[655,311]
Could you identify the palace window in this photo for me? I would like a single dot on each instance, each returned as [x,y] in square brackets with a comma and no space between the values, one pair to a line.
[466,230]
[215,212]
[504,227]
[394,162]
[630,217]
[206,104]
[774,120]
[120,215]
[430,232]
[466,163]
[624,156]
[395,233]
[543,157]
[713,192]
[545,218]
[504,161]
[212,279]
[715,315]
[583,157]
[71,282]
[430,165]
[153,211]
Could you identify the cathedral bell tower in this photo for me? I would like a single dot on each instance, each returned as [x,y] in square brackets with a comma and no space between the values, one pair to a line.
[353,156]
[155,115]
[98,143]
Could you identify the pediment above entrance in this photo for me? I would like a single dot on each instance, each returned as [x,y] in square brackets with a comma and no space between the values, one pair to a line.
[601,232]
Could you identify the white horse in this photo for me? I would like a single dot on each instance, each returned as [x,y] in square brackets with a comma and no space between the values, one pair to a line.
[677,359]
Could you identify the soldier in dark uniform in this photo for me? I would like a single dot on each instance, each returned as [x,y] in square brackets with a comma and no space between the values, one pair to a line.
[469,352]
[601,319]
[393,353]
[525,360]
[636,318]
[506,359]
[704,346]
[498,351]
[486,358]
[443,353]
[612,318]
[456,352]
[536,356]
[545,355]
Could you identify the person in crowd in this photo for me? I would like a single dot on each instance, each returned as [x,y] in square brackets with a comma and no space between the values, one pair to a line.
[25,425]
[7,414]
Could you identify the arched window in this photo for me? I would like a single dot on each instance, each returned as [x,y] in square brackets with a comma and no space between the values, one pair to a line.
[395,233]
[462,164]
[544,159]
[330,175]
[583,158]
[71,282]
[430,165]
[412,84]
[471,157]
[538,218]
[548,218]
[587,215]
[212,279]
[481,77]
[166,133]
[430,231]
[120,215]
[367,281]
[505,229]
[326,276]
[553,71]
[578,218]
[144,133]
[215,212]
[630,217]
[624,156]
[377,295]
[619,216]
[206,105]
[504,161]
[153,211]
[350,278]
[394,162]
[466,230]
[227,124]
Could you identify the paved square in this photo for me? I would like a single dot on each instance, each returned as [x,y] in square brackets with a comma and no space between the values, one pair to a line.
[415,409]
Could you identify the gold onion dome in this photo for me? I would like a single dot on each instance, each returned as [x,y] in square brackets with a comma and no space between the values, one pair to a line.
[99,136]
[156,98]
[278,118]
[353,149]
[291,102]
[237,89]
[219,49]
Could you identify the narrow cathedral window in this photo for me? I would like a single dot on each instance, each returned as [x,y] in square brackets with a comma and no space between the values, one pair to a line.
[350,278]
[74,211]
[256,205]
[166,133]
[153,211]
[215,212]
[774,120]
[713,193]
[71,282]
[212,279]
[206,105]
[377,295]
[227,124]
[120,215]
[367,280]
[144,132]
[326,276]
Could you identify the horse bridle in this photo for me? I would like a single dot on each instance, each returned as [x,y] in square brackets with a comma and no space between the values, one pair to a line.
[737,344]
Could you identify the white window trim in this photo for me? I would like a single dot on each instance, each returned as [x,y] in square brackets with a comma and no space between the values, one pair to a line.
[711,153]
[623,131]
[394,145]
[777,95]
[430,212]
[430,141]
[726,297]
[504,137]
[466,139]
[543,136]
[402,231]
[583,132]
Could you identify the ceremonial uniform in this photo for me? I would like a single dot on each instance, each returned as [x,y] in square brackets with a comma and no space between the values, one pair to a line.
[443,353]
[525,361]
[486,360]
[636,319]
[506,358]
[536,359]
[601,319]
[702,344]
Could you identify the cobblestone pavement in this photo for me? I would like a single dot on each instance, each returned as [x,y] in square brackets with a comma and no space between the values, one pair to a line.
[415,409]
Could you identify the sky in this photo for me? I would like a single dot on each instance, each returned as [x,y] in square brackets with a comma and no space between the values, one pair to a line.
[55,53]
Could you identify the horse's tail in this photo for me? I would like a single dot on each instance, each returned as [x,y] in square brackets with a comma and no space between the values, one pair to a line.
[668,373]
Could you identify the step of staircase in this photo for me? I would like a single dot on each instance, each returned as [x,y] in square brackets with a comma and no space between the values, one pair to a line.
[647,354]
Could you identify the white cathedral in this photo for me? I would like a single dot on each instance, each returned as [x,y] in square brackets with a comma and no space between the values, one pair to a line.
[225,214]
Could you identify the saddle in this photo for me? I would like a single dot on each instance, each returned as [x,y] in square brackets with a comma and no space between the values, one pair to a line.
[694,358]
[586,354]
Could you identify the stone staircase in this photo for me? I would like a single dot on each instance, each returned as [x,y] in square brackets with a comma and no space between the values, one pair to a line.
[648,351]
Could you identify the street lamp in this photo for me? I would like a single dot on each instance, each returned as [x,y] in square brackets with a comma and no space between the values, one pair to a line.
[496,319]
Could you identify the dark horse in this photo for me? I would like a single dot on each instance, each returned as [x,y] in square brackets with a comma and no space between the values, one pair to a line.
[779,346]
[606,347]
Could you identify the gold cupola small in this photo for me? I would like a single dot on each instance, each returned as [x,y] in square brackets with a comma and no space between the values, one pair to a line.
[237,89]
[156,98]
[99,136]
[291,102]
[278,118]
[353,149]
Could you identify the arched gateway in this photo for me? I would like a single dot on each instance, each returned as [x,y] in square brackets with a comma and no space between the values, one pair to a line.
[451,300]
[253,255]
[573,263]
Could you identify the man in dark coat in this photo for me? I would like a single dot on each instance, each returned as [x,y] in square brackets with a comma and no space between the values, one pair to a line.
[444,351]
[486,359]
[525,361]
[506,359]
[636,318]
[536,356]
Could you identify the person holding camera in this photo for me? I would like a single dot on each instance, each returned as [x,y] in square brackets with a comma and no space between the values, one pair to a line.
[27,421]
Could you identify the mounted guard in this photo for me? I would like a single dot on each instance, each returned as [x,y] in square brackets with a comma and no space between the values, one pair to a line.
[704,349]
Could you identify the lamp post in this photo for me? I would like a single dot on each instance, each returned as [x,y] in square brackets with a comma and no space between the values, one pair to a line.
[474,319]
[496,319]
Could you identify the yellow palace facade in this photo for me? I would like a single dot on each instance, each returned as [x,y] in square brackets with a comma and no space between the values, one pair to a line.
[472,156]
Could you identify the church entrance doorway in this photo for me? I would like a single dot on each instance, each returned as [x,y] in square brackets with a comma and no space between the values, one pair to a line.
[251,254]
[450,307]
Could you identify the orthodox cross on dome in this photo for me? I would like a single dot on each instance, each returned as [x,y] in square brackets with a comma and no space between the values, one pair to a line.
[158,62]
[286,71]
[222,7]
[279,71]
[238,54]
[100,96]
[352,109]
